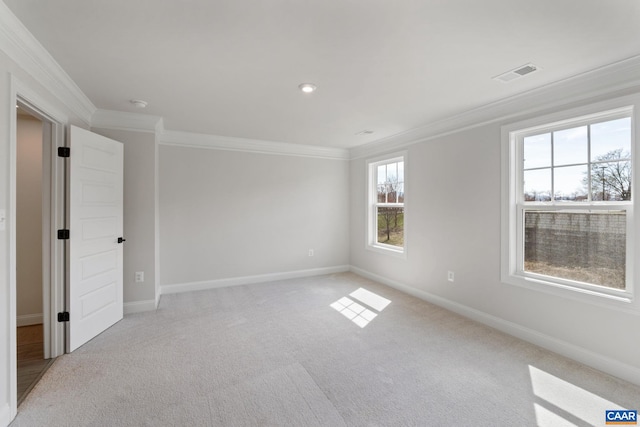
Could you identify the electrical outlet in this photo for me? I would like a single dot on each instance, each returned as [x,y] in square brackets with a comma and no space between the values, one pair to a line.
[139,276]
[310,252]
[450,276]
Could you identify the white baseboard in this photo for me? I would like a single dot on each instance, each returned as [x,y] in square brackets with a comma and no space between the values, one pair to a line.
[5,415]
[29,319]
[139,306]
[580,354]
[246,280]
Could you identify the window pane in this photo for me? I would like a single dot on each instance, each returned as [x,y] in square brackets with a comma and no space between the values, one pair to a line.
[537,185]
[381,178]
[382,196]
[570,146]
[570,183]
[382,174]
[391,183]
[400,183]
[611,181]
[611,140]
[586,247]
[391,226]
[537,151]
[392,172]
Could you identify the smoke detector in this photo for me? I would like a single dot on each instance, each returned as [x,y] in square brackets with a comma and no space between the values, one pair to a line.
[516,73]
[138,103]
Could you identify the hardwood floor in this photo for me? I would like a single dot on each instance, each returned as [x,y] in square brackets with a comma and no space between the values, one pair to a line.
[31,362]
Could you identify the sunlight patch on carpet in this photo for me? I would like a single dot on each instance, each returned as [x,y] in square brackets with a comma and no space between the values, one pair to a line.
[357,313]
[559,402]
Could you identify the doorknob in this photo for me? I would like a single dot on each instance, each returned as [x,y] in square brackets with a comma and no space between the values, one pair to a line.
[120,240]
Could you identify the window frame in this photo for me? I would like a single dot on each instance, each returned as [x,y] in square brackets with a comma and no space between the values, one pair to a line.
[514,206]
[373,204]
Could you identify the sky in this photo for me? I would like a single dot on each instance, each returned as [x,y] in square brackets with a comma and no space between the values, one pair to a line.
[571,155]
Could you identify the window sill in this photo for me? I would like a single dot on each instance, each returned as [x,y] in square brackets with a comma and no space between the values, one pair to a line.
[622,301]
[388,250]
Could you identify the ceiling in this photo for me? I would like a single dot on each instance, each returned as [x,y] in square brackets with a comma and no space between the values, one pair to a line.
[232,68]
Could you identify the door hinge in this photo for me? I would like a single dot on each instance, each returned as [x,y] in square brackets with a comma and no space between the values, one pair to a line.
[63,234]
[63,317]
[64,151]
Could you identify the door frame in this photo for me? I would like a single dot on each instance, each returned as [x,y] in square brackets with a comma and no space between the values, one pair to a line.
[54,217]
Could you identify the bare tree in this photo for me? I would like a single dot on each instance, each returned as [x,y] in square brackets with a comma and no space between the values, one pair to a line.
[390,192]
[386,215]
[611,176]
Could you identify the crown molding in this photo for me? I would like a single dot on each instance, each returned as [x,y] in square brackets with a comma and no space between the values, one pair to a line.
[119,120]
[27,52]
[215,142]
[25,93]
[615,79]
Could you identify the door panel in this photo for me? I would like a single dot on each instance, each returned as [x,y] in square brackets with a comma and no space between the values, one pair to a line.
[95,222]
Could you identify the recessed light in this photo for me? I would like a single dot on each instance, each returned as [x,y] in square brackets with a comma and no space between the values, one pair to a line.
[307,87]
[365,132]
[139,103]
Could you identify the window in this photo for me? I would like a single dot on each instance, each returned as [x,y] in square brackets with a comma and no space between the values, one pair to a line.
[567,203]
[387,205]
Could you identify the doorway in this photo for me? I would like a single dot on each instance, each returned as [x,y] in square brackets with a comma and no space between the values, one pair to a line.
[36,333]
[31,361]
[64,200]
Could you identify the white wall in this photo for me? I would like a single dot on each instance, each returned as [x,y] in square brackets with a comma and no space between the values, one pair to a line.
[29,220]
[229,214]
[453,222]
[139,215]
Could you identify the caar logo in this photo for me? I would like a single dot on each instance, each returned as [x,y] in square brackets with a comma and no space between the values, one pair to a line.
[621,417]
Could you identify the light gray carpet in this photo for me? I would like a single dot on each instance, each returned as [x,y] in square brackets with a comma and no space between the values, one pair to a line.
[278,354]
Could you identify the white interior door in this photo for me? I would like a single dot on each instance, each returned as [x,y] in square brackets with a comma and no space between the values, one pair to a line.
[94,291]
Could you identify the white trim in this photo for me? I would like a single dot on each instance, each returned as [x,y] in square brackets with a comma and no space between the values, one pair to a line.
[158,295]
[29,96]
[120,120]
[582,355]
[371,242]
[22,92]
[614,105]
[216,142]
[48,224]
[246,280]
[53,288]
[612,79]
[29,319]
[5,415]
[11,246]
[391,250]
[627,301]
[23,48]
[139,306]
[156,219]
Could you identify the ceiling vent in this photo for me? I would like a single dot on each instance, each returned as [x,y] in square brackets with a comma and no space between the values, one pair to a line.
[516,73]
